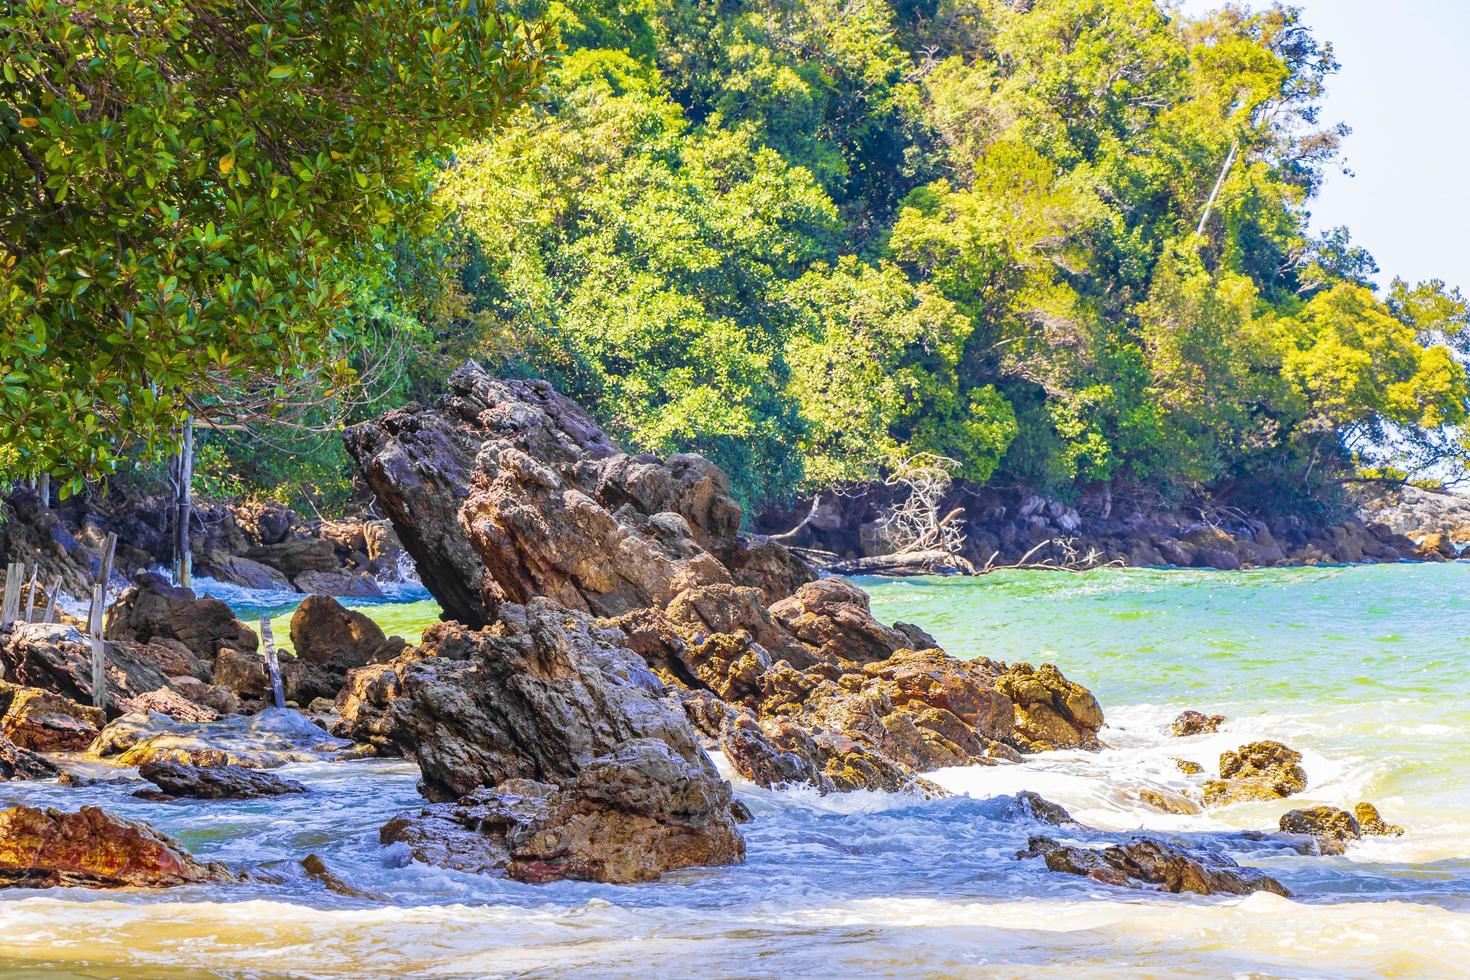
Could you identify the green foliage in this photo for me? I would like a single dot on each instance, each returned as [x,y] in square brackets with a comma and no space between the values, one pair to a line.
[194,190]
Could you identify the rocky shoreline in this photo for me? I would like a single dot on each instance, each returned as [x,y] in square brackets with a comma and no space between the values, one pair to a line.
[608,631]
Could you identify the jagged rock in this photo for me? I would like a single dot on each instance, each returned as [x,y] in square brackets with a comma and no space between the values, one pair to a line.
[151,608]
[1258,771]
[296,556]
[832,616]
[1372,824]
[508,490]
[264,522]
[18,763]
[1146,862]
[1033,806]
[266,740]
[93,848]
[227,782]
[535,696]
[1051,711]
[243,571]
[44,722]
[340,582]
[323,632]
[57,658]
[1333,828]
[629,816]
[1196,723]
[171,703]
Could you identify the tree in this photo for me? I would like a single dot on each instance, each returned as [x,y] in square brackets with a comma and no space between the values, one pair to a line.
[194,190]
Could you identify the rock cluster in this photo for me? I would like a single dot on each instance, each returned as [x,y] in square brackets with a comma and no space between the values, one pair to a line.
[604,599]
[45,848]
[1335,829]
[1258,771]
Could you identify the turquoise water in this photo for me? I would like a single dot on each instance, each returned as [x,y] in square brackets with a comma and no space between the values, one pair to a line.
[1362,669]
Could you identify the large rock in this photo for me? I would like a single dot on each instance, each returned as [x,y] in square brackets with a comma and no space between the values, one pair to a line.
[1333,829]
[507,490]
[1146,862]
[536,696]
[243,571]
[151,608]
[629,816]
[832,617]
[266,740]
[48,848]
[57,658]
[1195,723]
[1258,771]
[44,722]
[215,782]
[324,632]
[19,764]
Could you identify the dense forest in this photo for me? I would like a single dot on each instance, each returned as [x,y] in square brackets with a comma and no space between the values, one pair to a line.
[1057,242]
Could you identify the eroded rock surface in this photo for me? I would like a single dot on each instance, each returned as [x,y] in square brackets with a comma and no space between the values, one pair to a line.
[1333,829]
[18,763]
[44,848]
[1372,824]
[1147,862]
[1195,723]
[266,740]
[45,722]
[1258,771]
[227,782]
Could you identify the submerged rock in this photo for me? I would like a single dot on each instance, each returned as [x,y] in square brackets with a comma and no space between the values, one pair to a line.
[45,848]
[1333,829]
[1033,806]
[1372,824]
[1147,862]
[1189,768]
[228,782]
[45,722]
[1196,723]
[629,816]
[1258,771]
[266,740]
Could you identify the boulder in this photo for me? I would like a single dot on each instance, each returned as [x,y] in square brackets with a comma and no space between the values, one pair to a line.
[173,704]
[1146,862]
[1333,829]
[1027,805]
[1195,723]
[1258,771]
[264,522]
[1372,824]
[17,763]
[536,696]
[1052,712]
[44,722]
[215,782]
[46,848]
[323,631]
[267,740]
[294,557]
[340,582]
[152,609]
[833,618]
[243,571]
[57,658]
[629,816]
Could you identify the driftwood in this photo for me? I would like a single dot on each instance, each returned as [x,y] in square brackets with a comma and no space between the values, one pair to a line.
[905,563]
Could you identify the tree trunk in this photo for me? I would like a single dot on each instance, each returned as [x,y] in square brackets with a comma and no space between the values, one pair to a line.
[184,561]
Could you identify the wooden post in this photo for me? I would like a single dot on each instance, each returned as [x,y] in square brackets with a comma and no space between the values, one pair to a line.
[43,489]
[10,605]
[31,593]
[185,566]
[99,665]
[52,595]
[268,640]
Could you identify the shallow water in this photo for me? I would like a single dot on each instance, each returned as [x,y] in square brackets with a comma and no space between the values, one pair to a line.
[1363,669]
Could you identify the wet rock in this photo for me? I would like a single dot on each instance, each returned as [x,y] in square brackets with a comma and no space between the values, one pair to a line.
[1258,771]
[45,848]
[1196,723]
[833,618]
[1168,802]
[629,816]
[244,572]
[1146,862]
[1052,712]
[340,582]
[1189,768]
[324,632]
[172,703]
[151,608]
[17,763]
[267,740]
[535,696]
[1334,829]
[226,782]
[316,868]
[1372,824]
[1033,806]
[44,722]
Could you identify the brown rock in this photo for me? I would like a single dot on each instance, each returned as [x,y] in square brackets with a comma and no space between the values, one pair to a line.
[339,582]
[173,704]
[1333,828]
[44,722]
[17,763]
[58,659]
[833,618]
[323,632]
[1051,711]
[152,609]
[1033,806]
[49,848]
[1145,862]
[215,782]
[627,817]
[1372,824]
[1196,723]
[1258,771]
[265,740]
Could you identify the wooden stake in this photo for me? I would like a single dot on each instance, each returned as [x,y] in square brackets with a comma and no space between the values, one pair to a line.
[186,506]
[99,665]
[268,640]
[31,593]
[53,594]
[43,489]
[10,605]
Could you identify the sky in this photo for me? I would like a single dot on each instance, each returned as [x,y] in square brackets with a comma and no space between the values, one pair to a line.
[1403,91]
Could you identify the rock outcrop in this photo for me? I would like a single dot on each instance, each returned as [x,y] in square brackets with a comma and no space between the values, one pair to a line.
[56,658]
[44,722]
[629,816]
[153,609]
[45,848]
[1258,771]
[1147,862]
[1332,828]
[18,763]
[1372,824]
[267,740]
[226,782]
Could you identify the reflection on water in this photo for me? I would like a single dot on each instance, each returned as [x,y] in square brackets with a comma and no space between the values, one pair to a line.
[1361,669]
